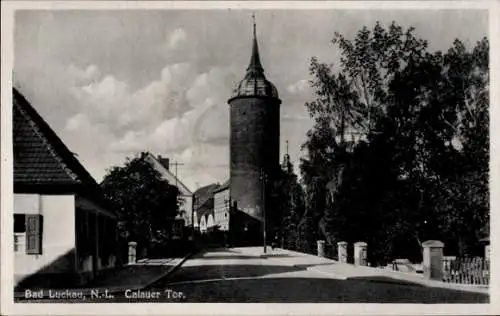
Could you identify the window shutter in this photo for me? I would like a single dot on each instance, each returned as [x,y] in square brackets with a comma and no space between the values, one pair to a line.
[34,233]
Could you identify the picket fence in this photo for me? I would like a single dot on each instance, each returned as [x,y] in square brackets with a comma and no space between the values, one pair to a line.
[466,270]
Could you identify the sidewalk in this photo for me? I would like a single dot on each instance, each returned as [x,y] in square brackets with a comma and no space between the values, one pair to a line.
[352,272]
[344,271]
[130,277]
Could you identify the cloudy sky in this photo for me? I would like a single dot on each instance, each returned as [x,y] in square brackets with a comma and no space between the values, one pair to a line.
[114,83]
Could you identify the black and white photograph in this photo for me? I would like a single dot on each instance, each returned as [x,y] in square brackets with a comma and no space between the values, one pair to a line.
[248,153]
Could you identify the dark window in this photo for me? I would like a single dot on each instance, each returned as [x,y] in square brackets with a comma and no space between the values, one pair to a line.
[19,223]
[34,225]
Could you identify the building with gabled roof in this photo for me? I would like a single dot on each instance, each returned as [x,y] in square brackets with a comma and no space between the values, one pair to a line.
[64,230]
[162,165]
[204,207]
[222,207]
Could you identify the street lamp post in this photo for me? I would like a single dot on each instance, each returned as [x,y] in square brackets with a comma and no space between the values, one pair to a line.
[192,216]
[264,179]
[227,205]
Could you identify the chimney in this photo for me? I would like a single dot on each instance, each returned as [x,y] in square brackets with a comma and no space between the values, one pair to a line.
[164,161]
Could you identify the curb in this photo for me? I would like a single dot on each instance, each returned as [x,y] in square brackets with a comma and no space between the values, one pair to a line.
[444,286]
[111,290]
[397,280]
[169,271]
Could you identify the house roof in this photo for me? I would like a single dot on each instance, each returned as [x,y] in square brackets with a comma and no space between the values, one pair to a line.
[204,194]
[222,187]
[41,159]
[161,165]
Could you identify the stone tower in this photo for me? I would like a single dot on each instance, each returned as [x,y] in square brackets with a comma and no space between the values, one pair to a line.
[254,141]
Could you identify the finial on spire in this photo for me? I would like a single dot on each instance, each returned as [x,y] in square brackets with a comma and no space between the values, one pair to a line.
[255,65]
[254,26]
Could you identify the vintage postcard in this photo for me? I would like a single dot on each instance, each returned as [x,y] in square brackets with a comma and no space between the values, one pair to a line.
[160,157]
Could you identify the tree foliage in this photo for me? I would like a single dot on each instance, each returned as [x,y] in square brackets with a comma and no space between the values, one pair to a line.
[146,204]
[289,206]
[398,152]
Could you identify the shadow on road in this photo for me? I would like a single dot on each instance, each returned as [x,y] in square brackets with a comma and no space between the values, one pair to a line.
[305,266]
[210,272]
[239,257]
[226,250]
[319,290]
[229,257]
[384,279]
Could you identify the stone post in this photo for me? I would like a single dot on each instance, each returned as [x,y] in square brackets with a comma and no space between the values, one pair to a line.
[487,252]
[342,251]
[321,248]
[360,253]
[132,255]
[433,257]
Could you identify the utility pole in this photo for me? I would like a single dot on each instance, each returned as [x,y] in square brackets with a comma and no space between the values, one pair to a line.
[175,164]
[193,200]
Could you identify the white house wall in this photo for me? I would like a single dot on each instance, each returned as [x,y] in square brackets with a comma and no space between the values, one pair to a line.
[196,221]
[187,208]
[221,209]
[210,221]
[58,234]
[203,224]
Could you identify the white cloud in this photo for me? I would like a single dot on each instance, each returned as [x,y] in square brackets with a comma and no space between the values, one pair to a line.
[203,164]
[111,101]
[299,86]
[177,38]
[173,114]
[87,74]
[76,122]
[294,117]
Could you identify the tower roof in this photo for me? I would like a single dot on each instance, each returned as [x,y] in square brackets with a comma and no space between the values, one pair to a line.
[255,83]
[255,66]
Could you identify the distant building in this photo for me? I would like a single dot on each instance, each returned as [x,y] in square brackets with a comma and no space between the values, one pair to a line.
[222,205]
[64,232]
[162,165]
[204,208]
[254,143]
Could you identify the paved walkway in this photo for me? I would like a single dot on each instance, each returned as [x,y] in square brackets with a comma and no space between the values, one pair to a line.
[344,271]
[129,277]
[135,276]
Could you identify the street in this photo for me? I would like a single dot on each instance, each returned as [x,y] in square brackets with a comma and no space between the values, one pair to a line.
[226,275]
[241,275]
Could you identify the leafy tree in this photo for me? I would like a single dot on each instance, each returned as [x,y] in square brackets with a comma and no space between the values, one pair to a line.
[146,204]
[291,205]
[463,195]
[348,103]
[399,148]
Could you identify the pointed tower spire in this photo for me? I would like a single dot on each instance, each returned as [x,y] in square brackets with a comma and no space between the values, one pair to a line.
[255,65]
[286,165]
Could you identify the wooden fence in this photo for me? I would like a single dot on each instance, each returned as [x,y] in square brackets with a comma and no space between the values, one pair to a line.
[466,270]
